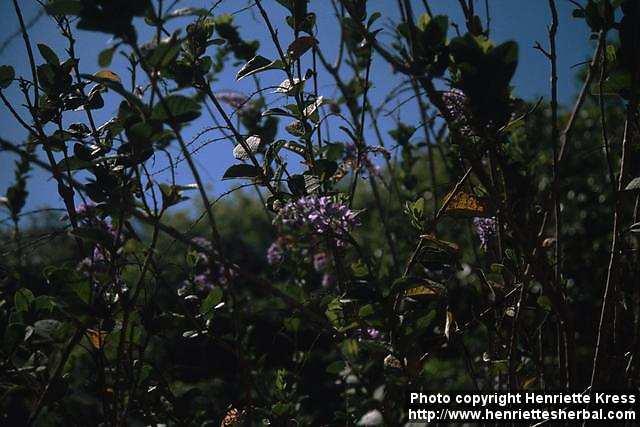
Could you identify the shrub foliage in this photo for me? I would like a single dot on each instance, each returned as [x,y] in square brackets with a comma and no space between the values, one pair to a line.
[492,244]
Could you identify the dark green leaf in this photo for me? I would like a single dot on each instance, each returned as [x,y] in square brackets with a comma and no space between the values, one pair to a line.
[48,54]
[7,74]
[73,163]
[164,53]
[258,64]
[211,301]
[176,107]
[297,185]
[241,171]
[63,7]
[105,57]
[22,299]
[118,88]
[336,367]
[299,46]
[366,311]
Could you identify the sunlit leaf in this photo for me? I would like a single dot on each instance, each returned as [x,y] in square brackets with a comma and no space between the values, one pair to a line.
[465,204]
[97,338]
[449,323]
[108,75]
[258,64]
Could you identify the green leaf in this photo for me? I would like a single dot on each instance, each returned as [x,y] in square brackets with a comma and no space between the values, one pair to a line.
[423,322]
[292,324]
[48,54]
[336,367]
[258,64]
[359,269]
[22,299]
[44,303]
[176,107]
[63,7]
[73,163]
[366,311]
[578,13]
[297,185]
[299,46]
[211,301]
[373,18]
[241,171]
[164,53]
[47,328]
[324,168]
[118,88]
[172,194]
[7,74]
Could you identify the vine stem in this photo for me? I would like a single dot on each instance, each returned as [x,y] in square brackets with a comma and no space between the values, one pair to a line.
[65,192]
[187,155]
[565,357]
[612,270]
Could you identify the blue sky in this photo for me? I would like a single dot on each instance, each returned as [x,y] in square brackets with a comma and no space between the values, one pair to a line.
[524,21]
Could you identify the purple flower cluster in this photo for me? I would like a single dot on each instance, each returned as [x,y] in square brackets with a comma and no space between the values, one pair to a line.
[320,215]
[456,102]
[310,226]
[235,99]
[210,271]
[275,253]
[485,229]
[102,254]
[368,333]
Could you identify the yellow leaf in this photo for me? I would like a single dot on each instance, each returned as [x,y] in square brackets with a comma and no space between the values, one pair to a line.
[448,324]
[421,290]
[108,75]
[529,382]
[97,337]
[463,203]
[428,289]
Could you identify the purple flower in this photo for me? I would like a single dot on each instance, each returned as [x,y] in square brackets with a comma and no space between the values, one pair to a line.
[202,242]
[98,262]
[485,228]
[456,103]
[211,271]
[328,280]
[85,208]
[275,253]
[321,215]
[235,99]
[320,261]
[202,281]
[371,333]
